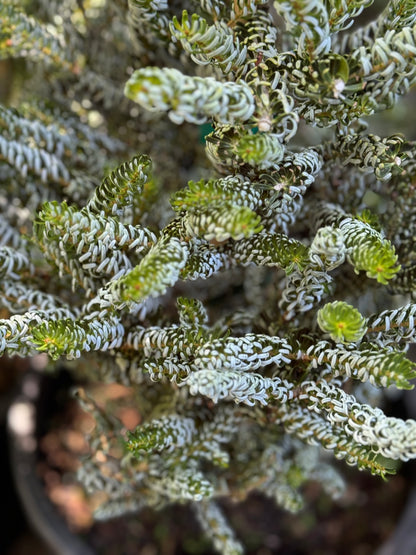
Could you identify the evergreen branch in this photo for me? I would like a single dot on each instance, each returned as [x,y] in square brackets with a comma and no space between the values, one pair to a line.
[370,151]
[367,252]
[221,222]
[316,430]
[274,473]
[166,342]
[255,27]
[308,24]
[304,290]
[366,248]
[249,352]
[328,248]
[286,185]
[81,136]
[114,508]
[223,403]
[87,245]
[262,150]
[10,236]
[38,161]
[157,271]
[16,332]
[147,9]
[381,367]
[285,467]
[182,485]
[208,43]
[176,351]
[391,437]
[192,99]
[15,125]
[227,146]
[70,338]
[405,280]
[387,66]
[240,387]
[276,109]
[168,433]
[175,369]
[149,17]
[222,428]
[326,93]
[204,260]
[342,13]
[14,264]
[393,326]
[215,526]
[23,36]
[18,297]
[268,249]
[119,189]
[192,312]
[396,15]
[231,189]
[304,165]
[214,9]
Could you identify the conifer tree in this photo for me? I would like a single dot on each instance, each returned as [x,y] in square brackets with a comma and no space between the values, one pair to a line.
[169,222]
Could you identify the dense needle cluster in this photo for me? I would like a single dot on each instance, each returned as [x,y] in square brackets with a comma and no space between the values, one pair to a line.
[194,204]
